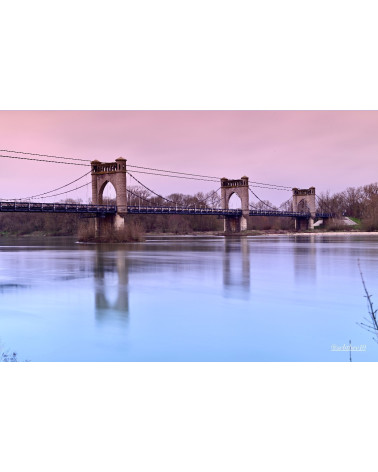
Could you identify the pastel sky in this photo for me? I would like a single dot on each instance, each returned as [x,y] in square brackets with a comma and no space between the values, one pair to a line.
[330,150]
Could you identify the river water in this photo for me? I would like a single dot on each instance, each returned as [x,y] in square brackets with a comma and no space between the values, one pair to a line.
[264,298]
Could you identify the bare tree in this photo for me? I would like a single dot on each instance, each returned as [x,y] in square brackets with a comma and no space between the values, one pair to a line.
[8,357]
[371,324]
[213,199]
[263,205]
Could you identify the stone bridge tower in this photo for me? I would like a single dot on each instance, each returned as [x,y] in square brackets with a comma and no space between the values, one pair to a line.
[114,173]
[304,201]
[240,187]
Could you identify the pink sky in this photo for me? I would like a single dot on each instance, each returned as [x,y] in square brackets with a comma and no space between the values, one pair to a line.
[330,150]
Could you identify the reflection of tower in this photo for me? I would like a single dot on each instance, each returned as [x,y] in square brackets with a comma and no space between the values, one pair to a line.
[305,259]
[111,281]
[236,267]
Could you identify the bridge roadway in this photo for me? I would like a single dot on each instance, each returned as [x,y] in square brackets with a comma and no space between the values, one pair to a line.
[103,210]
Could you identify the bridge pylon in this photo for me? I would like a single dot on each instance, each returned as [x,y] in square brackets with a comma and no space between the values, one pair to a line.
[304,201]
[104,173]
[240,187]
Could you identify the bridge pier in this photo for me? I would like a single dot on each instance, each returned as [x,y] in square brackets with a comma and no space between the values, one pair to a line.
[108,224]
[235,224]
[304,223]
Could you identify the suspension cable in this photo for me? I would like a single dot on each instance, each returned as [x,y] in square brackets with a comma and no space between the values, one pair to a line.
[167,199]
[147,188]
[284,203]
[267,185]
[138,196]
[61,193]
[45,155]
[271,186]
[54,190]
[205,199]
[174,176]
[43,160]
[173,172]
[253,193]
[87,160]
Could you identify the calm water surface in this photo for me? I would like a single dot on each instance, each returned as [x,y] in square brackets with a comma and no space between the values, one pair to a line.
[276,298]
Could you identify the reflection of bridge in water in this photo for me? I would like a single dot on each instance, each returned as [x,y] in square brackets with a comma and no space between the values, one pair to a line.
[236,267]
[108,268]
[112,270]
[305,259]
[237,263]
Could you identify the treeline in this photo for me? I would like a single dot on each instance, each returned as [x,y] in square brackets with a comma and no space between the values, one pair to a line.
[53,224]
[355,202]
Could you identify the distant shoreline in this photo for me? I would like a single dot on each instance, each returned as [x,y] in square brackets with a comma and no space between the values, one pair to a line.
[252,233]
[268,233]
[327,233]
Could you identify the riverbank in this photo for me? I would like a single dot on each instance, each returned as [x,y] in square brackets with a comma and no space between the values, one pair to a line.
[327,233]
[268,233]
[38,234]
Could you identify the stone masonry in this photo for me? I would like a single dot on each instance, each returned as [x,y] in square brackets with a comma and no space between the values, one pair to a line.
[241,189]
[115,173]
[304,201]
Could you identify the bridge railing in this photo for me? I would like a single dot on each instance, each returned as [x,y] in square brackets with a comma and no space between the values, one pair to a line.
[293,214]
[17,206]
[56,207]
[279,213]
[183,211]
[320,214]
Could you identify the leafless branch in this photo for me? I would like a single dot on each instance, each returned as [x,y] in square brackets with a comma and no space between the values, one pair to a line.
[373,323]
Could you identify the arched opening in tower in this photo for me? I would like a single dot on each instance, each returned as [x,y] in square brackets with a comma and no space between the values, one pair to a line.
[303,206]
[107,194]
[234,202]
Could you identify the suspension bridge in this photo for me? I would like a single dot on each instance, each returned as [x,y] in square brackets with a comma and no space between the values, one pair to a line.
[302,204]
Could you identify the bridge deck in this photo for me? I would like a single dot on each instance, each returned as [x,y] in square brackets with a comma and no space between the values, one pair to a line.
[57,208]
[102,210]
